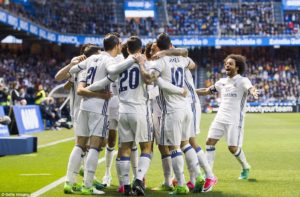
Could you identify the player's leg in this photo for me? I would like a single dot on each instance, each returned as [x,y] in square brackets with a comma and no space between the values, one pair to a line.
[172,134]
[109,152]
[134,159]
[77,153]
[141,126]
[235,141]
[97,124]
[74,163]
[167,167]
[216,132]
[91,166]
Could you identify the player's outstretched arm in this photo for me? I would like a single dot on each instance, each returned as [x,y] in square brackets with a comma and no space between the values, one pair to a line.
[100,85]
[170,88]
[254,92]
[63,73]
[82,91]
[171,52]
[206,91]
[115,69]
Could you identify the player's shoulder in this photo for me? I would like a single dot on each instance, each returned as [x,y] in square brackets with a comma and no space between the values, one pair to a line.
[119,57]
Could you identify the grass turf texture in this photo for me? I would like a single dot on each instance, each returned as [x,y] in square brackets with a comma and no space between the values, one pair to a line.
[271,145]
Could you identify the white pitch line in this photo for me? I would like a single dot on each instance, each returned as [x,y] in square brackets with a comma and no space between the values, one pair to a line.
[41,174]
[56,142]
[58,182]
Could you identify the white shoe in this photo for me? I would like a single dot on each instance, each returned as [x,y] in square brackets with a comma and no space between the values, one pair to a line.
[91,191]
[106,181]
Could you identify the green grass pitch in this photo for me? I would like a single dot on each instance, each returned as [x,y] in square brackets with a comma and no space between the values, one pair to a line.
[271,144]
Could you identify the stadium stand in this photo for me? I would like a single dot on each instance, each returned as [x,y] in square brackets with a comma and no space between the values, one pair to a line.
[185,17]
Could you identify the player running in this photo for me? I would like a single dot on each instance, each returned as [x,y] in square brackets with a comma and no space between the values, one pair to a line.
[229,121]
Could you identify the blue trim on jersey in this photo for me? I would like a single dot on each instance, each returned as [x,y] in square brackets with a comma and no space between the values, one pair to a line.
[162,129]
[80,67]
[159,102]
[191,89]
[104,129]
[145,155]
[187,149]
[109,79]
[163,101]
[149,131]
[193,105]
[175,154]
[105,105]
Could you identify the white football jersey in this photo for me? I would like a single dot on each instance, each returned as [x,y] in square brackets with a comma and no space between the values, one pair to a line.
[75,99]
[171,69]
[114,101]
[96,70]
[133,93]
[234,92]
[189,84]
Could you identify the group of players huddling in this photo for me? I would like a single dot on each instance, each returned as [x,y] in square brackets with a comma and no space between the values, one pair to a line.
[145,97]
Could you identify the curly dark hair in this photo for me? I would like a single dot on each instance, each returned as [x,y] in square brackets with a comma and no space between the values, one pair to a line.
[240,62]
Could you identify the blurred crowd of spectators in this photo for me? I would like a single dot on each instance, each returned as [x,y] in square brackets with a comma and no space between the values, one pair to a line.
[192,18]
[277,81]
[26,79]
[185,17]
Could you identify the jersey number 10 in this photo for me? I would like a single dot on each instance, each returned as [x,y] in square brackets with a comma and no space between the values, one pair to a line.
[177,76]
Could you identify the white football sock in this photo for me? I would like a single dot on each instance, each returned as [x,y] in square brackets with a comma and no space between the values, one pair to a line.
[203,163]
[134,157]
[118,168]
[192,162]
[125,170]
[210,155]
[143,166]
[109,155]
[178,166]
[74,164]
[167,168]
[240,156]
[90,167]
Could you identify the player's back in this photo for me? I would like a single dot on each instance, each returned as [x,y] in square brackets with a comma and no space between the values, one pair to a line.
[95,71]
[132,91]
[173,71]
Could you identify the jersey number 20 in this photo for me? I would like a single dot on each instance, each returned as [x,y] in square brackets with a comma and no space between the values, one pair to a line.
[133,76]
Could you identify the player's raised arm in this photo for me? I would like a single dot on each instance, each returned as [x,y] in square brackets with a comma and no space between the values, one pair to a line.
[63,73]
[170,88]
[171,52]
[82,91]
[149,76]
[114,69]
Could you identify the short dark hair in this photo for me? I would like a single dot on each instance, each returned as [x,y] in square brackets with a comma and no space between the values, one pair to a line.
[148,50]
[89,50]
[110,42]
[163,41]
[124,50]
[134,44]
[240,62]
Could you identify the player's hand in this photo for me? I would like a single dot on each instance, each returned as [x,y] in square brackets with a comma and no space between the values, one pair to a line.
[185,92]
[106,95]
[140,59]
[254,92]
[159,55]
[77,59]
